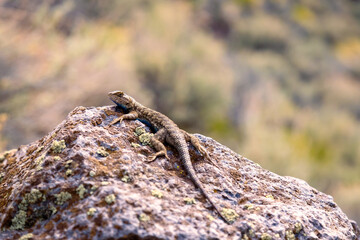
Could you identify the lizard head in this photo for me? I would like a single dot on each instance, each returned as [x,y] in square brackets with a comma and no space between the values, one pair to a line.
[121,99]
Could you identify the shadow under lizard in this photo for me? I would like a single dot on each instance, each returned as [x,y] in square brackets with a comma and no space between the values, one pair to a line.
[166,130]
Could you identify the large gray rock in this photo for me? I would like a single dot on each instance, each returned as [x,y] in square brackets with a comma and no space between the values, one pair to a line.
[89,180]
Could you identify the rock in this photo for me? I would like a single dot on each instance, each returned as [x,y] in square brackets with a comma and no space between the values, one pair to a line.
[115,194]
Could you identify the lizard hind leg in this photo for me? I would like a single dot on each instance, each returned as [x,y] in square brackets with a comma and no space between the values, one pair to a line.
[196,143]
[156,142]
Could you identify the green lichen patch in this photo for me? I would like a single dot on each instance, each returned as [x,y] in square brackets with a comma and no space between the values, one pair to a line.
[211,218]
[57,158]
[2,175]
[249,235]
[68,163]
[144,217]
[270,197]
[104,183]
[297,227]
[58,146]
[139,131]
[126,179]
[69,172]
[135,145]
[92,173]
[81,191]
[91,211]
[93,189]
[33,196]
[249,206]
[102,152]
[229,214]
[144,137]
[157,193]
[30,198]
[39,149]
[39,162]
[251,231]
[62,197]
[19,220]
[27,236]
[189,201]
[52,209]
[289,235]
[265,236]
[109,199]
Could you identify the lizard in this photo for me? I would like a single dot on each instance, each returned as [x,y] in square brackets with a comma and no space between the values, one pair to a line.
[165,130]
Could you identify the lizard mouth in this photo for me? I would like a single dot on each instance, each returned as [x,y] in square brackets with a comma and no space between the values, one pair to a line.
[122,107]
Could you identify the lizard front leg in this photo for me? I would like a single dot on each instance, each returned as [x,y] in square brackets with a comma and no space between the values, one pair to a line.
[157,142]
[129,116]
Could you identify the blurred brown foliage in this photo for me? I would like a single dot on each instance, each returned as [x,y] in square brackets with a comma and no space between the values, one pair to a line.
[276,80]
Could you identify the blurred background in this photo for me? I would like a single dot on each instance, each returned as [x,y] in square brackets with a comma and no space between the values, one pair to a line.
[278,81]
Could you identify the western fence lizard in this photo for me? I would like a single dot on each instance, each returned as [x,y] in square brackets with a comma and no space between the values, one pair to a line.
[166,130]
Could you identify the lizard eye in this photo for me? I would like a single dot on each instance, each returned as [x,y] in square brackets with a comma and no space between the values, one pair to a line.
[116,93]
[119,93]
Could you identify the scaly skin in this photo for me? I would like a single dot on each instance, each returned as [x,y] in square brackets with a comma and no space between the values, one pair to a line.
[167,131]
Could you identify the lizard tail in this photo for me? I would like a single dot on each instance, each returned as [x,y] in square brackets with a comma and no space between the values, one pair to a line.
[184,153]
[198,184]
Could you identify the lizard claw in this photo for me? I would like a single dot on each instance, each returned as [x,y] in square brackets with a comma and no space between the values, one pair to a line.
[203,152]
[152,158]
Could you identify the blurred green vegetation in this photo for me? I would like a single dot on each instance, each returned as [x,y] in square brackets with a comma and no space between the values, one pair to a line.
[276,80]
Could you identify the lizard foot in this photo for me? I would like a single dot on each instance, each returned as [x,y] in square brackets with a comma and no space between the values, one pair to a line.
[154,156]
[203,151]
[116,120]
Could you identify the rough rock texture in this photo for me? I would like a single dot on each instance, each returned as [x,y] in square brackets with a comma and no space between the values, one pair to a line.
[89,180]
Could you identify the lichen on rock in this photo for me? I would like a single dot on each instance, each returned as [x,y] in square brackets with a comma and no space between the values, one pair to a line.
[189,201]
[62,197]
[229,214]
[27,236]
[144,137]
[92,173]
[39,161]
[144,218]
[81,191]
[109,199]
[68,172]
[157,193]
[58,146]
[101,151]
[2,175]
[91,211]
[19,220]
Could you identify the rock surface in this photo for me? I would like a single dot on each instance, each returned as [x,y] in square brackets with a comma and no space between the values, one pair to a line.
[89,180]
